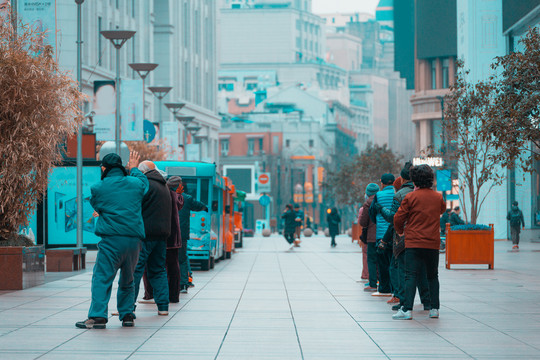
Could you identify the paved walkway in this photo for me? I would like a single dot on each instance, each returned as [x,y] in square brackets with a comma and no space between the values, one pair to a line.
[270,303]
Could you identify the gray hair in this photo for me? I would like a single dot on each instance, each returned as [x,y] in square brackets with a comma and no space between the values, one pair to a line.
[145,167]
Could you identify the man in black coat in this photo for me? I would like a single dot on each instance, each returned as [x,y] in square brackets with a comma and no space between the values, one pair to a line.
[156,212]
[190,204]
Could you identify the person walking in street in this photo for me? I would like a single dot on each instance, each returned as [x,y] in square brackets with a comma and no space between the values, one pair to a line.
[455,219]
[190,204]
[399,247]
[156,212]
[333,219]
[517,223]
[174,243]
[383,198]
[289,226]
[299,222]
[366,222]
[418,219]
[117,201]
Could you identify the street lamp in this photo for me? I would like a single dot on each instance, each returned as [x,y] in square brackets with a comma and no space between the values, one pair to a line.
[118,38]
[185,121]
[79,130]
[174,108]
[143,69]
[193,130]
[160,92]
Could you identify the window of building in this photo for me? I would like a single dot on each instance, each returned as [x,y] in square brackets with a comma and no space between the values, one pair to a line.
[436,134]
[275,144]
[311,143]
[251,147]
[133,13]
[298,24]
[287,143]
[311,45]
[445,73]
[224,147]
[299,43]
[434,74]
[333,20]
[186,24]
[251,86]
[261,146]
[118,4]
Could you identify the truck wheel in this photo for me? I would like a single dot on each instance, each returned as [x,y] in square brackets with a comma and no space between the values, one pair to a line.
[205,265]
[212,262]
[228,255]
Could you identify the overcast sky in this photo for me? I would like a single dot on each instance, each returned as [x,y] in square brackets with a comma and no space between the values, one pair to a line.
[331,6]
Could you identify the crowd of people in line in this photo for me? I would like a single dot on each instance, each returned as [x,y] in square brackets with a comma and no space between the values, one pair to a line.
[143,221]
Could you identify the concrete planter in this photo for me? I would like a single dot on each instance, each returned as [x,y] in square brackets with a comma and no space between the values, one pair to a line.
[470,247]
[266,232]
[308,232]
[21,267]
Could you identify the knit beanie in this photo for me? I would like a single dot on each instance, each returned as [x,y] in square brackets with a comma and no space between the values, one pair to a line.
[387,179]
[111,161]
[174,182]
[372,189]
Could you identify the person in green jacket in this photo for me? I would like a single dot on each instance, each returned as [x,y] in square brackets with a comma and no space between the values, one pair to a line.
[117,201]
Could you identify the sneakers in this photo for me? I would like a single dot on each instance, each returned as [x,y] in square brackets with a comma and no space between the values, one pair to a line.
[515,247]
[183,289]
[190,284]
[393,300]
[370,289]
[92,323]
[128,321]
[402,315]
[163,312]
[396,307]
[381,294]
[434,313]
[146,301]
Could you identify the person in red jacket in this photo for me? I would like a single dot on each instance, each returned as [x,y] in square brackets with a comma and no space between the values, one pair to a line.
[418,219]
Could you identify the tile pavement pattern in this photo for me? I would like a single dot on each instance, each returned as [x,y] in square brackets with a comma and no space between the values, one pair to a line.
[271,303]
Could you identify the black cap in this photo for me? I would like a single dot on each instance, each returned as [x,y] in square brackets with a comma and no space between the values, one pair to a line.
[388,179]
[111,161]
[405,171]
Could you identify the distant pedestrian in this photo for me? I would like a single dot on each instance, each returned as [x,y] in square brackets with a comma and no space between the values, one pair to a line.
[333,219]
[308,223]
[517,223]
[299,222]
[418,219]
[371,226]
[156,212]
[117,201]
[363,245]
[289,217]
[383,198]
[455,219]
[445,219]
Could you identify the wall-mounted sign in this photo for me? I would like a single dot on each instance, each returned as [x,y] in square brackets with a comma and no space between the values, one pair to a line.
[263,183]
[431,161]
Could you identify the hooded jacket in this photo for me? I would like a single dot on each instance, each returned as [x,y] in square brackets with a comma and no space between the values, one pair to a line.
[290,221]
[365,220]
[156,208]
[118,201]
[383,198]
[333,220]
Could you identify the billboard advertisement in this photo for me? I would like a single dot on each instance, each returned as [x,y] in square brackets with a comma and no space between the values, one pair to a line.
[104,106]
[41,15]
[131,105]
[62,206]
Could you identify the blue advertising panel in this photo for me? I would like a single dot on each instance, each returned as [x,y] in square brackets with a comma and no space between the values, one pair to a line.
[444,180]
[41,16]
[62,206]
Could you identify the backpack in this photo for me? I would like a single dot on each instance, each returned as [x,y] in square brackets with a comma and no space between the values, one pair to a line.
[515,218]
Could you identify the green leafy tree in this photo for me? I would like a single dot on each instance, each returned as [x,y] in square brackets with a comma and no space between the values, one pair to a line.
[347,185]
[514,117]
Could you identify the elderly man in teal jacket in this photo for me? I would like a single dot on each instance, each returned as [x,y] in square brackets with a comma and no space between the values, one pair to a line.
[117,200]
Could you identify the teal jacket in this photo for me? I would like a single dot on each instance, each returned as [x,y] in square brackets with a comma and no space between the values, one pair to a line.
[117,199]
[385,197]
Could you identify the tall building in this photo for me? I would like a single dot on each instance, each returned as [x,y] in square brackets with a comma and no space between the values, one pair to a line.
[180,36]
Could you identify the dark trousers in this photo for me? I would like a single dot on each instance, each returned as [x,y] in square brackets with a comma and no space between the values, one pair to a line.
[394,275]
[185,268]
[173,277]
[421,282]
[333,237]
[152,257]
[372,264]
[383,260]
[414,260]
[289,236]
[514,233]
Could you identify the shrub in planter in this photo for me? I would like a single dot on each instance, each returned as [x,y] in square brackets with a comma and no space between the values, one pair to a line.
[470,244]
[22,263]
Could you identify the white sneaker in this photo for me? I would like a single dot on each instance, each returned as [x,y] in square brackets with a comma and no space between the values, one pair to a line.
[402,315]
[434,313]
[144,301]
[380,294]
[292,247]
[163,313]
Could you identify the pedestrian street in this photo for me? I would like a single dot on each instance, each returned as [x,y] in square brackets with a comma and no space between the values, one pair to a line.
[269,302]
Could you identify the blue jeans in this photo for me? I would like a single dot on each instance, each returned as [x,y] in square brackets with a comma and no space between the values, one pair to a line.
[115,253]
[372,264]
[152,256]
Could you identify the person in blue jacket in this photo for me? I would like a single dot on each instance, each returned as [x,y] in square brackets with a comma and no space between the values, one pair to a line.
[384,198]
[117,201]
